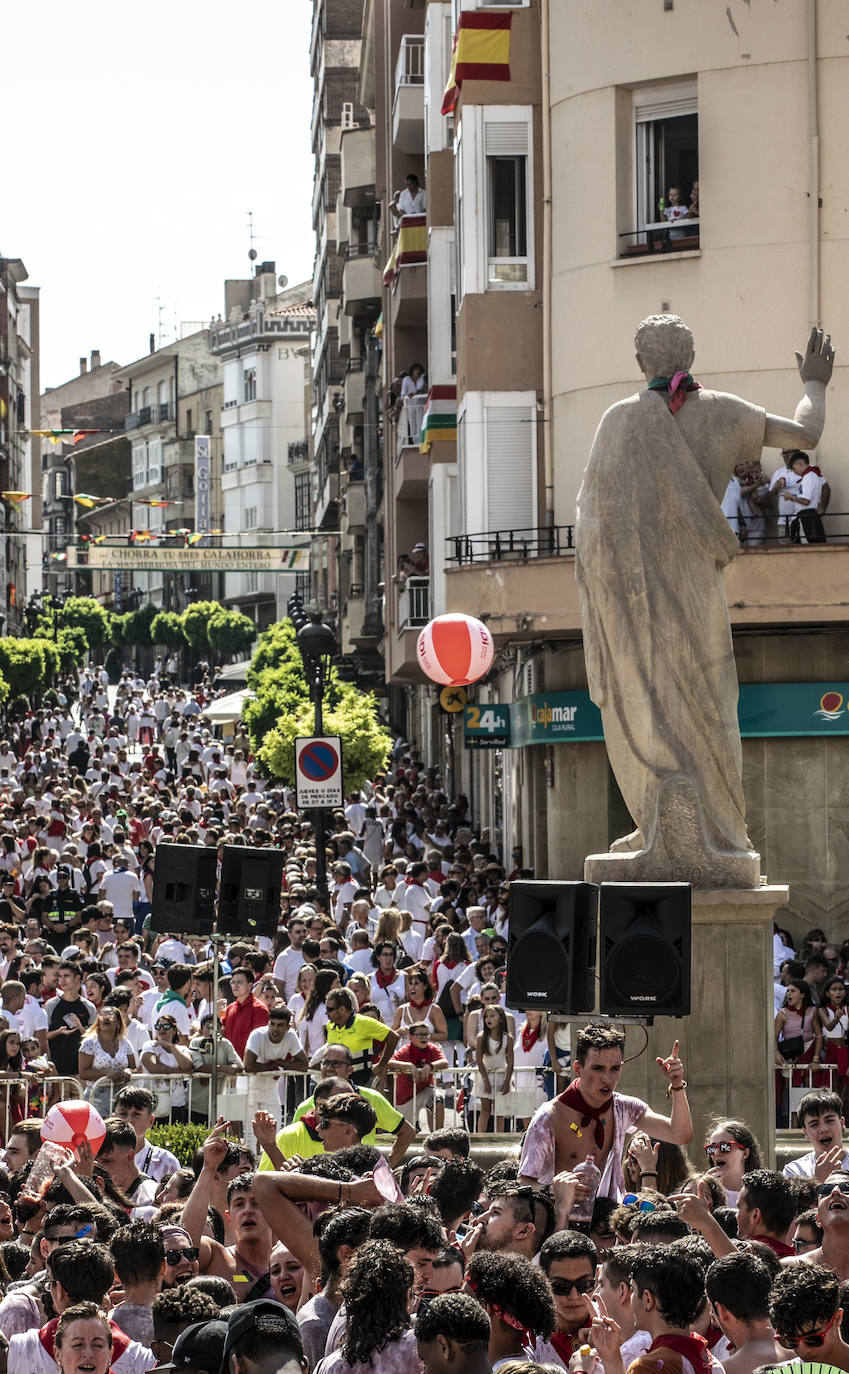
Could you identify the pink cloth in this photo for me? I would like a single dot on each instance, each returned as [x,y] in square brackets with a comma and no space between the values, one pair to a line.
[398,1357]
[538,1152]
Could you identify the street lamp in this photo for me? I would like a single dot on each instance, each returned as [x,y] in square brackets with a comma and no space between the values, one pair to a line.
[317,644]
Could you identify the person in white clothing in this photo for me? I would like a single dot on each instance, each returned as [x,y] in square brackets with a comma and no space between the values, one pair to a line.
[121,888]
[807,501]
[411,201]
[820,1115]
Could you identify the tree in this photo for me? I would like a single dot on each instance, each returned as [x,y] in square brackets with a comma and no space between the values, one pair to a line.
[71,645]
[230,632]
[24,665]
[167,629]
[84,613]
[365,742]
[276,647]
[196,620]
[137,624]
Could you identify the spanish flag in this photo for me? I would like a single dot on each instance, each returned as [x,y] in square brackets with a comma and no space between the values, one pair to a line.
[481,53]
[410,246]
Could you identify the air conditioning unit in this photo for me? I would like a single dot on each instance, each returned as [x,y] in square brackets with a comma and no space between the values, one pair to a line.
[531,679]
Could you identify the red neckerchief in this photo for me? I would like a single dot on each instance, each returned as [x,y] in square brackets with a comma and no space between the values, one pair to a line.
[811,468]
[530,1035]
[564,1345]
[574,1099]
[420,1006]
[693,1348]
[385,980]
[780,1247]
[714,1336]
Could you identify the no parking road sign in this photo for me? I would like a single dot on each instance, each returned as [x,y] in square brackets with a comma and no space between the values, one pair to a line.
[318,771]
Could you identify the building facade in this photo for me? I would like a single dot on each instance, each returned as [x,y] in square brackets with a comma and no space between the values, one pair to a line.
[20,451]
[261,347]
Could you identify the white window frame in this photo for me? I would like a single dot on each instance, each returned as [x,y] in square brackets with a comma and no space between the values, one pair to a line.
[440,287]
[439,44]
[139,465]
[249,380]
[479,129]
[473,471]
[650,104]
[249,520]
[154,462]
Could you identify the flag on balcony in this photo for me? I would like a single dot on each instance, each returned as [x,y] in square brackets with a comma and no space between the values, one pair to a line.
[440,416]
[378,326]
[481,53]
[410,246]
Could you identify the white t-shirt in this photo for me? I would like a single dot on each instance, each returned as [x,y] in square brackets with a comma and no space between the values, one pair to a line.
[803,1167]
[120,888]
[260,1043]
[29,1019]
[811,487]
[417,900]
[344,897]
[286,968]
[791,483]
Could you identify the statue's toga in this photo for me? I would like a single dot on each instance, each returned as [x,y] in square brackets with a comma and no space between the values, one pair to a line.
[651,545]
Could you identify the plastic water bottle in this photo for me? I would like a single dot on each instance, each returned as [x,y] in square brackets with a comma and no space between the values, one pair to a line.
[49,1158]
[590,1176]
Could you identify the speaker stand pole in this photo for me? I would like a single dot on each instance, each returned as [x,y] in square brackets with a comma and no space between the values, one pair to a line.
[216,1023]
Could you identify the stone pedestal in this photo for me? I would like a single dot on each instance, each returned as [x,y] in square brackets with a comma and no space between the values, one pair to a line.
[727,1041]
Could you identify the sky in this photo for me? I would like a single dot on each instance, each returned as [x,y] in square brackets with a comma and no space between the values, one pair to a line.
[138,139]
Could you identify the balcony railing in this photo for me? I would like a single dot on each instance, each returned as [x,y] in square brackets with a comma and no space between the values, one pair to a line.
[661,237]
[148,415]
[414,603]
[410,420]
[299,451]
[496,546]
[409,69]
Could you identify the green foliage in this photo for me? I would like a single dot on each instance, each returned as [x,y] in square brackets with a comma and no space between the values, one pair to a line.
[230,632]
[137,624]
[182,1139]
[196,620]
[4,690]
[166,628]
[365,743]
[276,647]
[84,613]
[73,648]
[24,664]
[18,706]
[118,629]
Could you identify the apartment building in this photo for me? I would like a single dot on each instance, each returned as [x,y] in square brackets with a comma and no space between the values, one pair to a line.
[261,346]
[638,101]
[174,393]
[92,400]
[20,452]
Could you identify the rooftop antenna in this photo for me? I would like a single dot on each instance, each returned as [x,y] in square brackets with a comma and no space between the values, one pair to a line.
[160,329]
[252,253]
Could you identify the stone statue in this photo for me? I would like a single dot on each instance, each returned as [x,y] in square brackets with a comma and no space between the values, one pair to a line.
[651,545]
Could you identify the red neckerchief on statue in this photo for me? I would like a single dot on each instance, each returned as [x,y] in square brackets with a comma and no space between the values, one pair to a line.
[574,1099]
[693,1348]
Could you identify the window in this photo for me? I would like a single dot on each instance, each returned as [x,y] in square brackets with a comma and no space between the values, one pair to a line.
[249,384]
[60,484]
[249,522]
[666,154]
[207,422]
[302,500]
[252,582]
[494,219]
[189,429]
[139,465]
[154,462]
[497,464]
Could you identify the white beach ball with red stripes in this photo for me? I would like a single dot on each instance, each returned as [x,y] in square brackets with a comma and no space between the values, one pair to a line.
[72,1123]
[455,650]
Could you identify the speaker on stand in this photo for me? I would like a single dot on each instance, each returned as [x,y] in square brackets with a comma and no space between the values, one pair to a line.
[645,949]
[551,947]
[183,900]
[249,892]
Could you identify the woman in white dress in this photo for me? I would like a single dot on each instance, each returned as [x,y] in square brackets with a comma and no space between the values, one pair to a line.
[420,1006]
[528,1051]
[106,1053]
[494,1057]
[303,988]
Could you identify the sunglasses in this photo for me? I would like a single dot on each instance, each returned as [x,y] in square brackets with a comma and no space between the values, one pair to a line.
[813,1339]
[561,1288]
[190,1253]
[826,1189]
[645,1205]
[723,1148]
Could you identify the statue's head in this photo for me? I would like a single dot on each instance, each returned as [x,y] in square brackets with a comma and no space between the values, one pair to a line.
[664,346]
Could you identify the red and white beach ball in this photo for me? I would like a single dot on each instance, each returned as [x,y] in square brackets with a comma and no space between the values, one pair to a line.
[72,1123]
[455,650]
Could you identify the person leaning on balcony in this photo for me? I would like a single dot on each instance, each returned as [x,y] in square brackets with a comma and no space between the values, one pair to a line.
[411,201]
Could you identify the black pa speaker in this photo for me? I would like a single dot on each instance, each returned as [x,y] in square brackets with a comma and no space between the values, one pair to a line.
[249,892]
[644,934]
[183,900]
[551,947]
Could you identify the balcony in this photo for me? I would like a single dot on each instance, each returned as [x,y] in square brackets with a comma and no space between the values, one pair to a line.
[148,415]
[299,452]
[358,167]
[354,517]
[509,572]
[327,503]
[353,389]
[408,105]
[414,603]
[412,467]
[360,281]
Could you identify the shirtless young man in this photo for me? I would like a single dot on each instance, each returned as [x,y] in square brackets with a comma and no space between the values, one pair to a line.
[833,1217]
[591,1119]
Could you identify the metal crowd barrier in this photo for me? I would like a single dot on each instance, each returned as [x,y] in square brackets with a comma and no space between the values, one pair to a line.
[21,1098]
[452,1101]
[800,1079]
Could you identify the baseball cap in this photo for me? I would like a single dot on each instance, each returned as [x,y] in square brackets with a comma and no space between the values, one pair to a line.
[200,1346]
[267,1318]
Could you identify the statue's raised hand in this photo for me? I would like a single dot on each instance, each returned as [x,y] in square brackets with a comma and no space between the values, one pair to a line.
[818,362]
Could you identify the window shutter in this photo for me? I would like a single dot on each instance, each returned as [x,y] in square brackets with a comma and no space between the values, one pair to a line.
[506,138]
[452,506]
[510,478]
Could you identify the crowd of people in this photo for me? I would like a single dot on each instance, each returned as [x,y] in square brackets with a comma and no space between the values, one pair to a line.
[789,505]
[348,1224]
